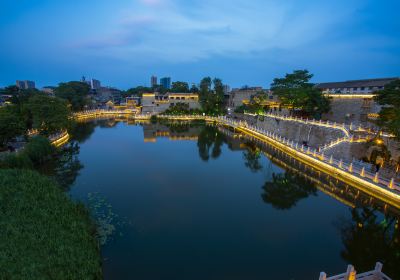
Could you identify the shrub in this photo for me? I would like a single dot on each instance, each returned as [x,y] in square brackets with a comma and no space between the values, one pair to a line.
[18,161]
[44,235]
[39,149]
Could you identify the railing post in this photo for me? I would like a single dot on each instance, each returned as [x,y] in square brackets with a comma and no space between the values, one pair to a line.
[376,178]
[351,168]
[322,276]
[391,184]
[378,269]
[351,273]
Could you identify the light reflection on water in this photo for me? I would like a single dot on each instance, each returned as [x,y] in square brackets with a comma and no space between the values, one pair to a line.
[202,202]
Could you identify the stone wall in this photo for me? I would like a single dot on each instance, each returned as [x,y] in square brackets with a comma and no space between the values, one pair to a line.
[315,136]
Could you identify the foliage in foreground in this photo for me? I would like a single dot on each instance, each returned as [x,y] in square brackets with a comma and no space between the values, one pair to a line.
[44,235]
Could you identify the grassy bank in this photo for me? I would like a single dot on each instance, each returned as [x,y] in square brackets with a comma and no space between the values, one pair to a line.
[44,235]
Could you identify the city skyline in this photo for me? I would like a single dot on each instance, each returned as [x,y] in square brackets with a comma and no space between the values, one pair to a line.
[242,43]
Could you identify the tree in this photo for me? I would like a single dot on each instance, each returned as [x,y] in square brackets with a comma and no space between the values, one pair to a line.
[39,150]
[194,89]
[205,86]
[212,99]
[180,87]
[296,92]
[11,124]
[19,96]
[75,92]
[389,116]
[137,91]
[49,115]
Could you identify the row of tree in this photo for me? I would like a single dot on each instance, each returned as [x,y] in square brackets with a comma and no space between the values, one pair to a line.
[33,109]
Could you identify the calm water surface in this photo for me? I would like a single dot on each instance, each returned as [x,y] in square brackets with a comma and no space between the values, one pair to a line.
[196,202]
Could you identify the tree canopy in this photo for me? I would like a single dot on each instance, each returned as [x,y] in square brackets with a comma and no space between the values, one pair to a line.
[212,96]
[389,116]
[48,114]
[297,93]
[180,87]
[11,124]
[76,93]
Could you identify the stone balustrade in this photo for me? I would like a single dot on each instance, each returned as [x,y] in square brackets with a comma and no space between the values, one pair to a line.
[351,274]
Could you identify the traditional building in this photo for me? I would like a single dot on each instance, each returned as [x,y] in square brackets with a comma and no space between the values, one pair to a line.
[156,103]
[355,87]
[353,101]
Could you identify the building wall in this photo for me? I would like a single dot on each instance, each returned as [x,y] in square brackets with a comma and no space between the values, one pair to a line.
[238,96]
[191,99]
[351,110]
[157,104]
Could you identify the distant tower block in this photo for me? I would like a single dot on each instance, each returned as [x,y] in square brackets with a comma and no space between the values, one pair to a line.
[153,81]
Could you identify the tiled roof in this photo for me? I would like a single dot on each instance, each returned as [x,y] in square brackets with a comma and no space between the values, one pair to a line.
[357,83]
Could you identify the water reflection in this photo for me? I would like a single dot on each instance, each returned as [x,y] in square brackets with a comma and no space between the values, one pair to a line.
[210,142]
[252,157]
[370,235]
[65,166]
[285,190]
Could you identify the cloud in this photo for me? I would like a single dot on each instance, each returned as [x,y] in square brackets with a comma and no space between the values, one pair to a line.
[182,31]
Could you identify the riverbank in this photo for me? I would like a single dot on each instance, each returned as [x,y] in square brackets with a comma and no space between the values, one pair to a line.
[44,234]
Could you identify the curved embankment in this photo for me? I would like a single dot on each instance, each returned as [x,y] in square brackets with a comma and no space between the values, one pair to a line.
[60,139]
[387,191]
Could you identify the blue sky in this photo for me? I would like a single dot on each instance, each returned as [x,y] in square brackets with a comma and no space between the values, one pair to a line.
[244,42]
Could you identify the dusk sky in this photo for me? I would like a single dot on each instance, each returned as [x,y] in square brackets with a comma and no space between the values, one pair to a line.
[124,42]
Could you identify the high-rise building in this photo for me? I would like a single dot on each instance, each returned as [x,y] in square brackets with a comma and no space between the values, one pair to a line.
[227,89]
[153,81]
[25,84]
[166,82]
[95,84]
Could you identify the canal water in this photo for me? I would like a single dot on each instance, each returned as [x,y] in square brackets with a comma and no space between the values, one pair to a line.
[193,201]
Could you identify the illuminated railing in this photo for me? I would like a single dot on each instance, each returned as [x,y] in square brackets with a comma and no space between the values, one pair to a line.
[346,128]
[351,274]
[333,125]
[59,139]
